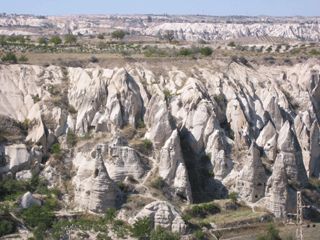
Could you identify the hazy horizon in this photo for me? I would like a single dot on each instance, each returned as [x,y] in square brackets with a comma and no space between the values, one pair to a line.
[250,8]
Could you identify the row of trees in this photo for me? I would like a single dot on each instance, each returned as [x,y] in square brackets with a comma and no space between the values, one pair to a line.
[56,40]
[72,39]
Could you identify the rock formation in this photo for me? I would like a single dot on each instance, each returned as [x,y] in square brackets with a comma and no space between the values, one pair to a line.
[163,214]
[97,192]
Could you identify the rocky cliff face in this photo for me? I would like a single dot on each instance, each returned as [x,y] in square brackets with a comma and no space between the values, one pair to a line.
[201,131]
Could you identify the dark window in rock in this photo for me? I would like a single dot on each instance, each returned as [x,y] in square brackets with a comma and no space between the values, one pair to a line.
[256,196]
[96,173]
[259,184]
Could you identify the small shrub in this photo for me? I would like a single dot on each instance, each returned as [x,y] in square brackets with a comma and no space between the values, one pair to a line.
[271,234]
[147,144]
[100,36]
[141,124]
[199,235]
[71,138]
[70,39]
[35,98]
[42,41]
[118,34]
[167,95]
[6,227]
[56,150]
[185,52]
[206,51]
[120,228]
[56,40]
[231,44]
[10,58]
[163,234]
[72,110]
[93,59]
[38,216]
[233,196]
[203,210]
[158,183]
[23,58]
[142,228]
[110,214]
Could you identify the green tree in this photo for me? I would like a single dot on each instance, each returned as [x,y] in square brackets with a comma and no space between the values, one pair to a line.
[6,227]
[70,39]
[42,41]
[56,40]
[142,228]
[233,196]
[10,58]
[206,51]
[71,138]
[118,34]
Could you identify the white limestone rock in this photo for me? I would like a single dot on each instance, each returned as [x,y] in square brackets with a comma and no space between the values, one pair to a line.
[94,189]
[123,161]
[28,200]
[172,168]
[157,120]
[18,157]
[163,214]
[251,182]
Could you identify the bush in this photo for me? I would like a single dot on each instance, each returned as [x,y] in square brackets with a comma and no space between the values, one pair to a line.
[271,234]
[141,124]
[231,44]
[23,58]
[10,189]
[42,41]
[38,215]
[93,59]
[56,40]
[6,227]
[147,145]
[100,36]
[70,39]
[10,58]
[72,110]
[142,228]
[185,52]
[110,214]
[206,51]
[118,34]
[203,210]
[233,196]
[71,138]
[56,150]
[199,235]
[163,234]
[158,183]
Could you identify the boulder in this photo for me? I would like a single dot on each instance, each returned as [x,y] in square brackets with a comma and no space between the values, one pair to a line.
[28,200]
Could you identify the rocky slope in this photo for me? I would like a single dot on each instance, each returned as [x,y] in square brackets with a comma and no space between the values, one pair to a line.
[199,132]
[190,28]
